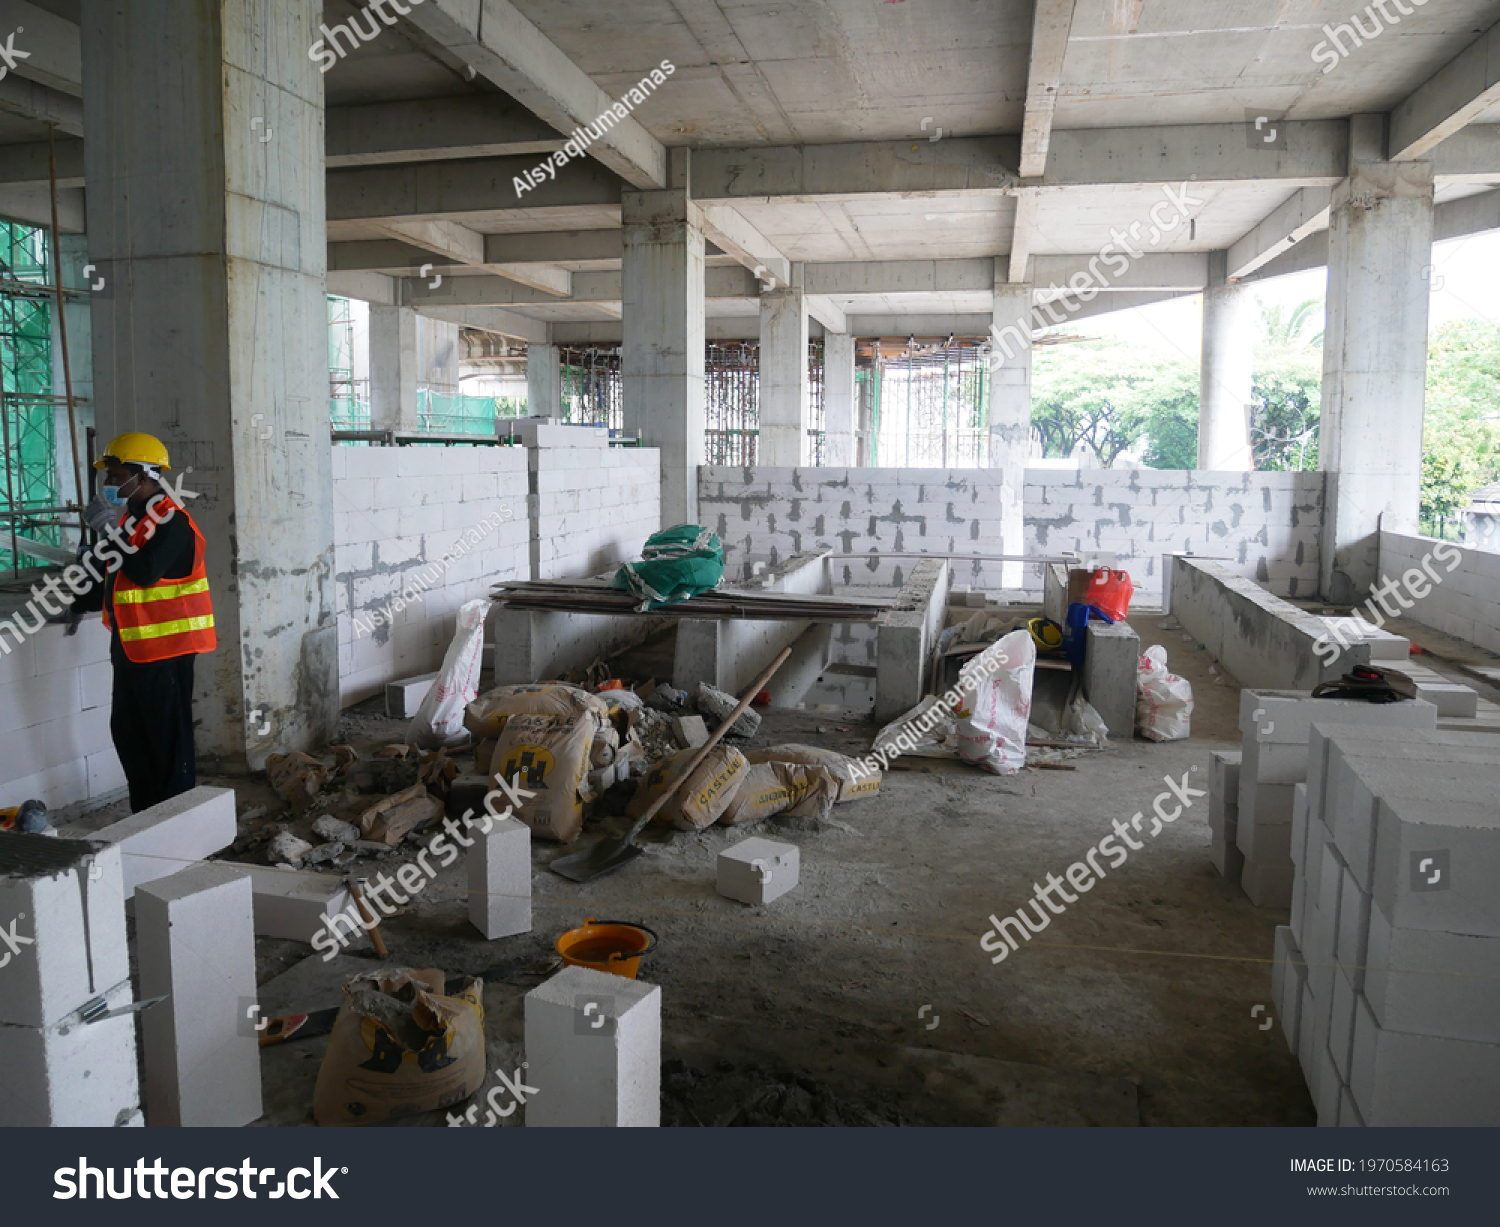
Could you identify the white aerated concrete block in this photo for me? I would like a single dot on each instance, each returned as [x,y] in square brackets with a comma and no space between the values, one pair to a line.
[1403,1079]
[1341,1023]
[294,904]
[195,939]
[1268,884]
[1386,647]
[1430,983]
[499,867]
[1349,1117]
[1330,1092]
[177,833]
[402,698]
[758,870]
[1307,1040]
[1224,776]
[71,1073]
[62,904]
[1437,863]
[1450,698]
[593,1047]
[1288,980]
[1353,930]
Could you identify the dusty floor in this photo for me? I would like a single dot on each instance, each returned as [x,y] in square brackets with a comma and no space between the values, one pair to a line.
[863,997]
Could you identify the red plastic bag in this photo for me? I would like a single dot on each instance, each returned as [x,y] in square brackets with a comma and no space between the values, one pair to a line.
[1109,592]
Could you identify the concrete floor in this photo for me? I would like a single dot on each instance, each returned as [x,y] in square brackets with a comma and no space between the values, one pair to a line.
[1133,1007]
[1137,1006]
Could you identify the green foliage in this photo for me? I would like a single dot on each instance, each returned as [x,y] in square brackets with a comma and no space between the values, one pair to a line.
[1461,433]
[1287,399]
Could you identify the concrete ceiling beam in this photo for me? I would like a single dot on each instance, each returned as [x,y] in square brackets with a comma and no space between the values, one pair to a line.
[900,276]
[826,312]
[464,246]
[554,246]
[1177,271]
[1292,221]
[489,319]
[476,185]
[53,46]
[1455,219]
[502,46]
[27,164]
[1469,156]
[1449,100]
[429,129]
[373,288]
[1050,27]
[1018,263]
[29,100]
[735,236]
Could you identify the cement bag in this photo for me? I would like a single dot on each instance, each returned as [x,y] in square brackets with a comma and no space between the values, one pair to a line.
[854,780]
[399,1047]
[547,755]
[440,719]
[705,795]
[486,715]
[801,790]
[1163,701]
[993,734]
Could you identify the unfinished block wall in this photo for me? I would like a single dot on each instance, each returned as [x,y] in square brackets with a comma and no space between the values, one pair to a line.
[592,507]
[54,716]
[1263,525]
[397,512]
[1466,604]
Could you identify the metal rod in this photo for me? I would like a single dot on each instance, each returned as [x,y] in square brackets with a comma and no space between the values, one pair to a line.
[10,495]
[62,322]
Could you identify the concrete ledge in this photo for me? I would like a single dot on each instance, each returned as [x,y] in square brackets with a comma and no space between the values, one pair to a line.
[905,636]
[1263,641]
[535,645]
[730,653]
[1055,592]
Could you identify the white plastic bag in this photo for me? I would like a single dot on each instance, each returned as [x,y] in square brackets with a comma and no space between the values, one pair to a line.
[993,734]
[440,720]
[1163,701]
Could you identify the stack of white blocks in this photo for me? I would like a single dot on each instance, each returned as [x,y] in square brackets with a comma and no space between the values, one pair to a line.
[396,512]
[64,901]
[54,716]
[195,941]
[499,878]
[1388,978]
[592,507]
[172,834]
[1276,725]
[1224,814]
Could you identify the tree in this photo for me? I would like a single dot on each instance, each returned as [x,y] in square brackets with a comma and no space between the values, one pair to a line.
[1287,394]
[1461,430]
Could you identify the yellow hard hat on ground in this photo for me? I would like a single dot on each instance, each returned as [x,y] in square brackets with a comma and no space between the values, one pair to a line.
[133,447]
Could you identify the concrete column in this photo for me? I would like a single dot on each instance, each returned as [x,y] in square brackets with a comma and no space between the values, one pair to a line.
[1374,357]
[393,368]
[1010,414]
[662,359]
[785,410]
[864,451]
[1226,372]
[543,380]
[206,212]
[74,251]
[839,397]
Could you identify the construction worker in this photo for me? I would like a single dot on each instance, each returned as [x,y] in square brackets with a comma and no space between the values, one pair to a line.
[154,598]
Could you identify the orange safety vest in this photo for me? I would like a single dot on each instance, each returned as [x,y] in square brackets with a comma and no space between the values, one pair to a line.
[171,618]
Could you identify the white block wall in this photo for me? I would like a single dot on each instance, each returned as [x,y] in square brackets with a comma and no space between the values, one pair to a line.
[1265,525]
[397,510]
[592,507]
[54,717]
[1466,604]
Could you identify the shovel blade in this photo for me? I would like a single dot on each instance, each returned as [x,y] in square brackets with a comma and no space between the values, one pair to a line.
[604,856]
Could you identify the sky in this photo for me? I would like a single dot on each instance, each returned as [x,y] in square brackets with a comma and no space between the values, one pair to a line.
[1465,286]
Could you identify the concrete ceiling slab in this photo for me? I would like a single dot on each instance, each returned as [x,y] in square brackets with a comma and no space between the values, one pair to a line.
[833,229]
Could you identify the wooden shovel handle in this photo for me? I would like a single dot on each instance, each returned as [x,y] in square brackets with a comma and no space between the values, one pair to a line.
[367,913]
[756,687]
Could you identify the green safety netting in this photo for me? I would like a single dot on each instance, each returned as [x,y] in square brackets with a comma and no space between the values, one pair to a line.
[28,478]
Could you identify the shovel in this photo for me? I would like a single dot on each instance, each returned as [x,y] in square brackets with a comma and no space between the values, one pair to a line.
[609,854]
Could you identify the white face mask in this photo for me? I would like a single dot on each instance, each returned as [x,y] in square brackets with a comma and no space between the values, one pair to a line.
[116,495]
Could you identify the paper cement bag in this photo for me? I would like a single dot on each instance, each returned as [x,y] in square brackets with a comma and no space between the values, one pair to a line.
[703,797]
[549,756]
[803,790]
[855,781]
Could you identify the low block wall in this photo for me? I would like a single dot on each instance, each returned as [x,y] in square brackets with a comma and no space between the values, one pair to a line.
[904,639]
[1465,604]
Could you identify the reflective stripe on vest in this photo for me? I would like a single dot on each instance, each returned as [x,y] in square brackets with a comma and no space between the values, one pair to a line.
[168,619]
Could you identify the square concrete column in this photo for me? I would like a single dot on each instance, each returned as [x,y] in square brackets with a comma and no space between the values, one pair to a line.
[839,400]
[785,411]
[1374,357]
[74,252]
[543,380]
[1010,414]
[662,359]
[1225,372]
[393,368]
[206,215]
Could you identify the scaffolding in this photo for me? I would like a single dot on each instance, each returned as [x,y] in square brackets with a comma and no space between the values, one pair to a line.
[591,392]
[348,397]
[29,495]
[732,402]
[930,406]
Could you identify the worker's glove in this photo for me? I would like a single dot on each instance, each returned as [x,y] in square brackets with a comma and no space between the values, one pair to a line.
[101,515]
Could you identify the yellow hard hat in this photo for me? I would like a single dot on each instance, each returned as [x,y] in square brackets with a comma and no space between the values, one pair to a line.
[133,447]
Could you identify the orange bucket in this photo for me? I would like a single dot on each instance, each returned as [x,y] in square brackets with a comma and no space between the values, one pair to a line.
[615,946]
